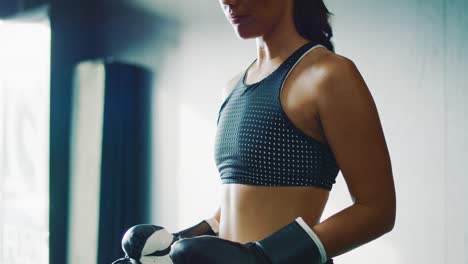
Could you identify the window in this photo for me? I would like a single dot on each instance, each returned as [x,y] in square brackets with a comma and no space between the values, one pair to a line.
[24,141]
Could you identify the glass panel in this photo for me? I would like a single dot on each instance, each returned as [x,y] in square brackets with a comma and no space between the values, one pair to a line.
[24,141]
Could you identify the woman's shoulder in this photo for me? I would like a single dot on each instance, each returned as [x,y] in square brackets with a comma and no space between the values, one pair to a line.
[331,64]
[231,83]
[331,70]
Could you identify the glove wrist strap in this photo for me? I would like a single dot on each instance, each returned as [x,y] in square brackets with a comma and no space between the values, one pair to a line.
[206,227]
[294,243]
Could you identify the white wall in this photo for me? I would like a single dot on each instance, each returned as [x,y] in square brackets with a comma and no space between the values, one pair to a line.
[413,57]
[456,136]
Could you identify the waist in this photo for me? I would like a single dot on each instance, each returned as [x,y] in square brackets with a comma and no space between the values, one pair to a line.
[251,212]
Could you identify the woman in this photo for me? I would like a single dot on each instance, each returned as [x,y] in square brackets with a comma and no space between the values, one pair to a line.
[289,122]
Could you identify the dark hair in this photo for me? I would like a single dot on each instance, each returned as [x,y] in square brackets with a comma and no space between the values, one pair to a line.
[311,18]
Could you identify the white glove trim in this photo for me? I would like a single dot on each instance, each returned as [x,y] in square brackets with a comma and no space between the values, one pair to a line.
[314,237]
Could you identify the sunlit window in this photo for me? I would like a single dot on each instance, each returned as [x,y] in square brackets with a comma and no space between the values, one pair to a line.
[24,141]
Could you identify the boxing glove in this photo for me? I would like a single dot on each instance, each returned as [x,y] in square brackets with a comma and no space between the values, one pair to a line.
[295,243]
[143,240]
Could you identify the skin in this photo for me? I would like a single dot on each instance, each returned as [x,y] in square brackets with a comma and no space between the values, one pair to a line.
[327,98]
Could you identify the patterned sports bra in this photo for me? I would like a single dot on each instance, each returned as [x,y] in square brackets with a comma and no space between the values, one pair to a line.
[257,144]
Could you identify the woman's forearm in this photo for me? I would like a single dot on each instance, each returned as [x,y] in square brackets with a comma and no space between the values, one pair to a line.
[353,227]
[217,214]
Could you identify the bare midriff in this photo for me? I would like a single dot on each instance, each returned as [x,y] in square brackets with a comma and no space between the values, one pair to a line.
[250,212]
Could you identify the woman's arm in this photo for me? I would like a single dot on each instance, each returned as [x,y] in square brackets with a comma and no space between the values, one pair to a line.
[352,127]
[217,214]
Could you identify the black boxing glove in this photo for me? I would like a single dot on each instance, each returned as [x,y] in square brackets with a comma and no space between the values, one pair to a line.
[141,240]
[294,243]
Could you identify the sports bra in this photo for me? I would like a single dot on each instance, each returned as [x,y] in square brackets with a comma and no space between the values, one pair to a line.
[256,143]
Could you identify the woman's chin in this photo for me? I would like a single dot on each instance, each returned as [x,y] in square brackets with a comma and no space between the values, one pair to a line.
[245,35]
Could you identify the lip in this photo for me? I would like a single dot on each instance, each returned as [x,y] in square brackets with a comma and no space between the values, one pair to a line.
[238,19]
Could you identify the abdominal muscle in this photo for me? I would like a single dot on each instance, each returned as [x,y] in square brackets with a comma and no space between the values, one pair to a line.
[250,212]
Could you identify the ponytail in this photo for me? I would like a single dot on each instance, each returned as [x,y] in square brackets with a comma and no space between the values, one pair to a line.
[311,18]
